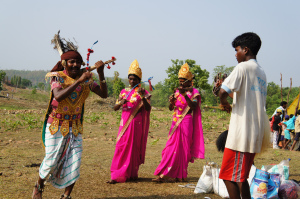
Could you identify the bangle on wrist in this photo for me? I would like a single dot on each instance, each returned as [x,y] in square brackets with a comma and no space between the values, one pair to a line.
[103,81]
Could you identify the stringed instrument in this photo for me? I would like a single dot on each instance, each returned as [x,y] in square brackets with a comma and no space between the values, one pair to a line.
[91,68]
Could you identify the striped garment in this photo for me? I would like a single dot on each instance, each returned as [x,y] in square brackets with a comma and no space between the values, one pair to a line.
[236,165]
[63,158]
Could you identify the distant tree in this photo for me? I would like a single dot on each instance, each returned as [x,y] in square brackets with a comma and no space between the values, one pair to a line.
[12,80]
[164,89]
[26,83]
[118,85]
[2,77]
[222,69]
[41,85]
[273,98]
[19,79]
[109,84]
[116,76]
[33,91]
[201,76]
[160,96]
[16,81]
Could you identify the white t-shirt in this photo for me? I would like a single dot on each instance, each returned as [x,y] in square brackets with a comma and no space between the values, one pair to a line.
[249,83]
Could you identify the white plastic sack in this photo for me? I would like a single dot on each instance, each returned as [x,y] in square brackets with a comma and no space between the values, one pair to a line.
[251,174]
[205,182]
[218,184]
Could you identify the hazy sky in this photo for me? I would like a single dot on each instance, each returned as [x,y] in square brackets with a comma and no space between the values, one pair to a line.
[153,32]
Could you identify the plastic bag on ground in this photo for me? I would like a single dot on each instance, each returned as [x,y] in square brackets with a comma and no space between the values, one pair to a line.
[251,174]
[273,186]
[259,184]
[218,184]
[289,190]
[277,169]
[205,182]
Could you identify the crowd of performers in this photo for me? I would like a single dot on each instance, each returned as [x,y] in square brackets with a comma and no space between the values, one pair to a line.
[63,125]
[285,128]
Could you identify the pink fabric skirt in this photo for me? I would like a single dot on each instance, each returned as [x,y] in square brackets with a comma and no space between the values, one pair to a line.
[127,157]
[177,153]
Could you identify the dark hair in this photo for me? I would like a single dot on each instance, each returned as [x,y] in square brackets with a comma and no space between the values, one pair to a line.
[283,103]
[134,76]
[221,141]
[298,112]
[291,115]
[249,40]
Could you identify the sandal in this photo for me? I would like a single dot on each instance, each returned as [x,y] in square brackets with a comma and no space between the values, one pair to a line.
[37,191]
[159,180]
[65,197]
[111,182]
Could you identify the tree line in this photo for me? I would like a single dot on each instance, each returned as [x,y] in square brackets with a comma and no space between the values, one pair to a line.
[163,89]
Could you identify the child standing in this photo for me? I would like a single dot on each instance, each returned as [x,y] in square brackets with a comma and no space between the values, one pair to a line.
[283,129]
[248,83]
[276,128]
[296,127]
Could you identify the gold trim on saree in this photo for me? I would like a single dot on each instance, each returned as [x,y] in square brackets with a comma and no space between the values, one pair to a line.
[129,120]
[186,110]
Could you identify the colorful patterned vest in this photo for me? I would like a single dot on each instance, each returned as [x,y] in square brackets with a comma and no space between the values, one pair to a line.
[69,109]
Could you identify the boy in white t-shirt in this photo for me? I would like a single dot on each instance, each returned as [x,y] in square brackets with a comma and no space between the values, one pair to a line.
[248,84]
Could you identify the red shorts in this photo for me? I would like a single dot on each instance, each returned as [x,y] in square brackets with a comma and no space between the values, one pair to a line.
[236,165]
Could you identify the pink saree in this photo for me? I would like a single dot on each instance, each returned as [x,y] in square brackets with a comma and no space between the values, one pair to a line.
[185,141]
[132,139]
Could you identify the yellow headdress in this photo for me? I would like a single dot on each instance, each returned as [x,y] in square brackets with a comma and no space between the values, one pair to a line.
[135,69]
[185,73]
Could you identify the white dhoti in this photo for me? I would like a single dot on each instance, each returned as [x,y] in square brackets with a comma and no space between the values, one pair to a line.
[63,158]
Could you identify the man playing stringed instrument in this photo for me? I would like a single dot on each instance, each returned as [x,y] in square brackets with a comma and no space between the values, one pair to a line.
[70,86]
[185,141]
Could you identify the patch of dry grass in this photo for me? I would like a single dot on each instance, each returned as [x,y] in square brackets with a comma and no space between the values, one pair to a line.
[21,152]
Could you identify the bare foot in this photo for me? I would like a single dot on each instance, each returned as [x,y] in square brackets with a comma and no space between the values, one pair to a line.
[111,182]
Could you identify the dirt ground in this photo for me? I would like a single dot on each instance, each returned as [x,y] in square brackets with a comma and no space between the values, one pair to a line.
[21,151]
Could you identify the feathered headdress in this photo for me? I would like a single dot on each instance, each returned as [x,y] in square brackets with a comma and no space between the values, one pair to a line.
[66,49]
[62,45]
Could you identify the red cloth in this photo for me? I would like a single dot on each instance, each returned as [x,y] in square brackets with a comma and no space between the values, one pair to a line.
[67,55]
[236,165]
[71,55]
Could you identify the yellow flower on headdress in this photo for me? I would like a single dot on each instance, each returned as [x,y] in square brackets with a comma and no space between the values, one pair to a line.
[135,69]
[185,73]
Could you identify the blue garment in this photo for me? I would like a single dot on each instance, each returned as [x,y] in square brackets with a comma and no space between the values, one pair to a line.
[290,124]
[287,134]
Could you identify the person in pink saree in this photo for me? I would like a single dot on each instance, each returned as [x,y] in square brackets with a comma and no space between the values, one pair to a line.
[185,142]
[134,126]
